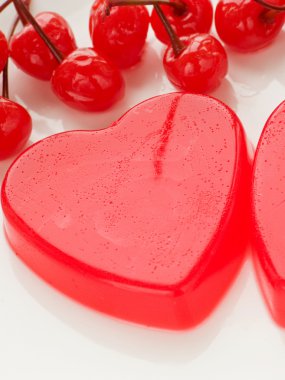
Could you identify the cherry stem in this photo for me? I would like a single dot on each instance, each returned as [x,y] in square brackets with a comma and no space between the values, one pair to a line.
[5,5]
[268,16]
[278,8]
[14,26]
[23,11]
[176,43]
[23,19]
[179,6]
[5,82]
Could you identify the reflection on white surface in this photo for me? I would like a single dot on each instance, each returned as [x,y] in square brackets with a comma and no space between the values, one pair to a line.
[43,334]
[137,341]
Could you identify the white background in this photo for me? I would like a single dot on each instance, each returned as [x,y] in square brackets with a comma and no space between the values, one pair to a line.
[44,335]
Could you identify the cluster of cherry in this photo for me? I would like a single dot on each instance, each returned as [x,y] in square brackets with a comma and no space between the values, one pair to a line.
[194,60]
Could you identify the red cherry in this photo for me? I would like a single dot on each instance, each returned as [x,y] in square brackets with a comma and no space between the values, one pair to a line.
[197,18]
[3,51]
[268,209]
[86,81]
[200,67]
[31,54]
[120,37]
[15,127]
[247,26]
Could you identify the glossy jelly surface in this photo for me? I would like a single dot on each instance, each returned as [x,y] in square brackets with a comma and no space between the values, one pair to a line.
[268,201]
[145,220]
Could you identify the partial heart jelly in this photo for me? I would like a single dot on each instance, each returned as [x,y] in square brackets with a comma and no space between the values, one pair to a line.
[268,207]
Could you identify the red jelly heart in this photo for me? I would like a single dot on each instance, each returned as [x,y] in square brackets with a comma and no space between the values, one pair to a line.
[146,220]
[268,213]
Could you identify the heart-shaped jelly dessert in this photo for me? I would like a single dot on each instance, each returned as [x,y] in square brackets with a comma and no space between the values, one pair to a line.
[146,220]
[268,207]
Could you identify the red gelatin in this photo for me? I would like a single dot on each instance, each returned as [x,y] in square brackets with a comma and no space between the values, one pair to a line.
[268,213]
[145,220]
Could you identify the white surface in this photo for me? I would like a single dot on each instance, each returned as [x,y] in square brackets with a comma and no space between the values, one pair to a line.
[44,335]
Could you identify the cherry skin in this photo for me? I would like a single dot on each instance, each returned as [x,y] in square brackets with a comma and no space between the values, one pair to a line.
[120,37]
[31,54]
[88,82]
[197,18]
[200,67]
[247,26]
[15,127]
[3,51]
